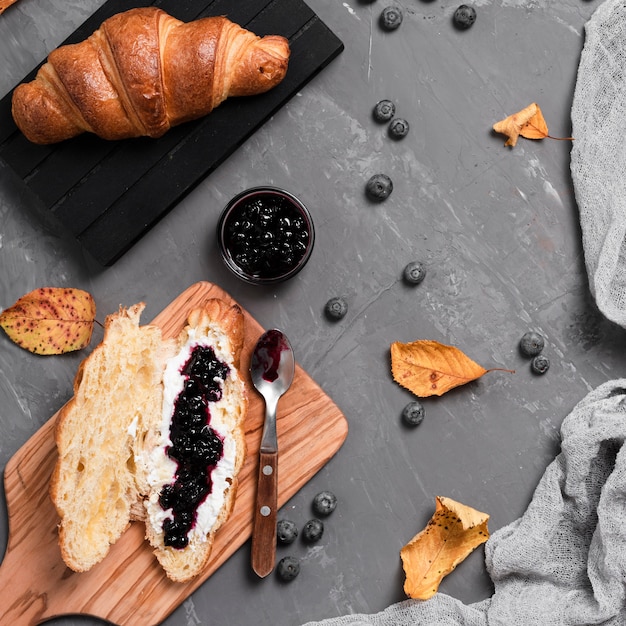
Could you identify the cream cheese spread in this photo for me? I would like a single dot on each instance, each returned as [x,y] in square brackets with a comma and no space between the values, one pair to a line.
[163,468]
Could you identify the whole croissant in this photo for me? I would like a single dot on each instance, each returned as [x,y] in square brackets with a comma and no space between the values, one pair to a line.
[142,72]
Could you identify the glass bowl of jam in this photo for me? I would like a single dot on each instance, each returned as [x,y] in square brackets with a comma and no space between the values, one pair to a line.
[265,235]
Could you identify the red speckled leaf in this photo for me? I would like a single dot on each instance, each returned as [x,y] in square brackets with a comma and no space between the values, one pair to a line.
[51,320]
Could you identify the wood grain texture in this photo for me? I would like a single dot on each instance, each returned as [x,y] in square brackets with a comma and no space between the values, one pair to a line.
[263,553]
[128,586]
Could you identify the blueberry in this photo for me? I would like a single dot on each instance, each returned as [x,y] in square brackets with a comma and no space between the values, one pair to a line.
[191,394]
[191,494]
[174,534]
[286,531]
[391,18]
[531,343]
[540,364]
[182,445]
[324,503]
[413,413]
[384,110]
[313,530]
[288,568]
[379,187]
[414,273]
[336,308]
[167,497]
[207,449]
[464,17]
[398,128]
[245,260]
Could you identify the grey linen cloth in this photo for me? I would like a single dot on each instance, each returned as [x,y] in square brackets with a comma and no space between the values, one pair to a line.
[598,158]
[564,561]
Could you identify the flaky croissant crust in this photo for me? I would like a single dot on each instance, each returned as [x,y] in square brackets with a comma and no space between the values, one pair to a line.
[142,72]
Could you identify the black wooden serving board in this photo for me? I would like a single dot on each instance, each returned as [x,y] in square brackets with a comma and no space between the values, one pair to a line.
[109,194]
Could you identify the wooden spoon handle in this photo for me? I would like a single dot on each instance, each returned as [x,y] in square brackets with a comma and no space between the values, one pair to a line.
[264,529]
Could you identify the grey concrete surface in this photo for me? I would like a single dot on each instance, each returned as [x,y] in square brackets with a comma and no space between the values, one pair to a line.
[497,228]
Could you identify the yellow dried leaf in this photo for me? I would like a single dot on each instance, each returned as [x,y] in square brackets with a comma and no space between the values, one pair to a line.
[528,123]
[512,125]
[429,368]
[51,320]
[452,533]
[535,127]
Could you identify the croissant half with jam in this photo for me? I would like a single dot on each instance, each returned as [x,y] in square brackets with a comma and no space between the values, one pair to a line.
[154,433]
[142,72]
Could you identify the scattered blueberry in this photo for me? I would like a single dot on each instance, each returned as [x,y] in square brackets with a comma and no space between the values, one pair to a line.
[286,531]
[531,343]
[398,128]
[336,308]
[384,110]
[464,16]
[391,17]
[414,273]
[413,413]
[324,503]
[288,568]
[540,364]
[313,531]
[379,187]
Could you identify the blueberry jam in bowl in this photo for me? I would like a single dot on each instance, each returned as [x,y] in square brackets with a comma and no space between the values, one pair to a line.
[265,235]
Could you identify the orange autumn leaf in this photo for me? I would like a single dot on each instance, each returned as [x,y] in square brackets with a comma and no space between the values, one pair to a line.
[51,320]
[535,127]
[429,368]
[5,4]
[453,532]
[528,123]
[512,125]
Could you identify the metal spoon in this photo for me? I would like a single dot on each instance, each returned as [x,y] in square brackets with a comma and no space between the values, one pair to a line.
[271,368]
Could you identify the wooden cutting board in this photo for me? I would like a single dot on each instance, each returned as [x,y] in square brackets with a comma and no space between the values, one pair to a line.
[109,194]
[128,586]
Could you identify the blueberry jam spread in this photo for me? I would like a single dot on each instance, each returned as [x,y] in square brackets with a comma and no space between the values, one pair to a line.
[196,447]
[267,236]
[267,354]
